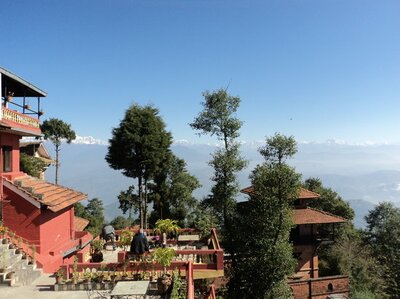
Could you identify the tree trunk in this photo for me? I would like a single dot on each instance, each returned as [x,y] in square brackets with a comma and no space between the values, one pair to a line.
[140,201]
[145,204]
[57,164]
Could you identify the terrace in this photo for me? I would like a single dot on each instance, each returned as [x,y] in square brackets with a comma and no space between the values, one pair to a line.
[20,105]
[193,260]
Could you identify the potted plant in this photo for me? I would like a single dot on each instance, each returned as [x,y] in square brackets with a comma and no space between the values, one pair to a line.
[165,227]
[2,231]
[179,290]
[75,277]
[10,275]
[125,238]
[96,247]
[124,267]
[33,255]
[5,231]
[164,257]
[87,276]
[12,235]
[19,247]
[59,276]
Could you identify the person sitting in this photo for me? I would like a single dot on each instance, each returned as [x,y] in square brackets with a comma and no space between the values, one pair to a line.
[108,234]
[139,244]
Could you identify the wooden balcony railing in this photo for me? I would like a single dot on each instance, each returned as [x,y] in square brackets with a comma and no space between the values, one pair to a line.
[19,118]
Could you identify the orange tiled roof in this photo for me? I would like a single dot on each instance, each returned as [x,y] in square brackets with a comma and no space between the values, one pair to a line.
[303,194]
[80,223]
[55,197]
[312,216]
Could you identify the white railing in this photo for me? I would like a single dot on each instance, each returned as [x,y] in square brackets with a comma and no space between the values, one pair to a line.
[19,118]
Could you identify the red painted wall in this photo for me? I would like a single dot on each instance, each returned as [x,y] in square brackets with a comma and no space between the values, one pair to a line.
[13,141]
[318,288]
[21,216]
[54,229]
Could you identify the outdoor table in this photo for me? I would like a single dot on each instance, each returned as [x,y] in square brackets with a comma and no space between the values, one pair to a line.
[129,288]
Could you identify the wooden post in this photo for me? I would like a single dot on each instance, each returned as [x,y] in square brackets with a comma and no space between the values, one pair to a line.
[190,280]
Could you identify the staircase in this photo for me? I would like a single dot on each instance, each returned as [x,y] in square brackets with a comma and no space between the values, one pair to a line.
[17,271]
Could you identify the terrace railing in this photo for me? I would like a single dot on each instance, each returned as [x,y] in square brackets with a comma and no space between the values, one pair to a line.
[20,118]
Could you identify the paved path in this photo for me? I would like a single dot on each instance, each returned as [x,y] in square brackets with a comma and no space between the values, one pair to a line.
[41,288]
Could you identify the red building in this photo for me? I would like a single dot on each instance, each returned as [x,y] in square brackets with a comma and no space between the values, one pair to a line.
[312,228]
[41,213]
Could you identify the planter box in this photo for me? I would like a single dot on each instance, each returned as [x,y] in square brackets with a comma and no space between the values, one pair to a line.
[84,286]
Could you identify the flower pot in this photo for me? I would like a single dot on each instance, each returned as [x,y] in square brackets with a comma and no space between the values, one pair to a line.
[164,283]
[4,241]
[59,279]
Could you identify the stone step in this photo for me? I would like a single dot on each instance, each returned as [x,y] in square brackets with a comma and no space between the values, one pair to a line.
[18,271]
[25,277]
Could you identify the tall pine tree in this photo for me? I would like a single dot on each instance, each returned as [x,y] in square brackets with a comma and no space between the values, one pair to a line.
[138,147]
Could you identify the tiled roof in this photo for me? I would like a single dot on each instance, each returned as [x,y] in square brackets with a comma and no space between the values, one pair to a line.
[312,216]
[80,223]
[55,197]
[307,194]
[303,194]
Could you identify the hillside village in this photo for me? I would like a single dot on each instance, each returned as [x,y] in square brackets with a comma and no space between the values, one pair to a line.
[288,239]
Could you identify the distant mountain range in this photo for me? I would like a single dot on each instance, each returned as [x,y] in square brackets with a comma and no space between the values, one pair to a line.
[363,175]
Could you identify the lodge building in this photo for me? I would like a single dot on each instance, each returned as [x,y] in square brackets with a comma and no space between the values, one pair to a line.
[311,229]
[38,212]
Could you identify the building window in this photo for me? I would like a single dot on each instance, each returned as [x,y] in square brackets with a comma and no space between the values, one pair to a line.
[7,158]
[330,287]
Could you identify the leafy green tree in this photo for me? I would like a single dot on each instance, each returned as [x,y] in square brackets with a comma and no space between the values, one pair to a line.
[329,200]
[172,192]
[263,257]
[32,165]
[120,222]
[383,235]
[79,210]
[95,214]
[56,131]
[129,201]
[139,147]
[350,256]
[218,118]
[202,219]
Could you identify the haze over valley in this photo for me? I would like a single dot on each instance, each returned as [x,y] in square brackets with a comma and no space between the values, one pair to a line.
[362,174]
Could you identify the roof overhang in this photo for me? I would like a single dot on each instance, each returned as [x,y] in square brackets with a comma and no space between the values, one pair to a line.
[21,193]
[314,216]
[19,131]
[19,86]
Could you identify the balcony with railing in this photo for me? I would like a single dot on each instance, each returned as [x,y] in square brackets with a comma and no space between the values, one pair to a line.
[20,105]
[20,121]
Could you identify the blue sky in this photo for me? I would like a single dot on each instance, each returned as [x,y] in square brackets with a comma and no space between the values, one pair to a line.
[317,70]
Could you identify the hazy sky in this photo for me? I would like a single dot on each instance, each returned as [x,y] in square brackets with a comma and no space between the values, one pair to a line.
[314,69]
